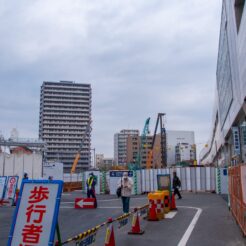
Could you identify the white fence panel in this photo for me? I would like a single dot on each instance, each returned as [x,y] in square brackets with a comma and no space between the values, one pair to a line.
[139,181]
[143,180]
[9,165]
[198,178]
[188,177]
[193,178]
[213,179]
[37,165]
[208,179]
[1,164]
[155,180]
[183,179]
[148,180]
[28,165]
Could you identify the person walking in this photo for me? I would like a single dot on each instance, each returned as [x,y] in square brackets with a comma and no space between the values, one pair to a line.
[126,185]
[176,185]
[91,183]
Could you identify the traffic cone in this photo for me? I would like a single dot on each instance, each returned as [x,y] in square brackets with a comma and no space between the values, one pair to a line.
[109,238]
[136,225]
[173,203]
[152,211]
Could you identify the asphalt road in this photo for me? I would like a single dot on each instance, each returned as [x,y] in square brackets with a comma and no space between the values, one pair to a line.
[215,225]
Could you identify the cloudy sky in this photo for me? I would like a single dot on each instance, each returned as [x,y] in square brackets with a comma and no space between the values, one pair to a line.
[141,57]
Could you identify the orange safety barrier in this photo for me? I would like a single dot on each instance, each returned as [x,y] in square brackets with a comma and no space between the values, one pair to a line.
[173,202]
[109,238]
[136,230]
[237,194]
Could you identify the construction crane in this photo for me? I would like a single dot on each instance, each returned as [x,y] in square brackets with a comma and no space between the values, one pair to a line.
[144,134]
[77,157]
[163,143]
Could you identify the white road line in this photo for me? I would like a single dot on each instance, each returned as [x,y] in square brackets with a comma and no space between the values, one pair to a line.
[190,228]
[170,215]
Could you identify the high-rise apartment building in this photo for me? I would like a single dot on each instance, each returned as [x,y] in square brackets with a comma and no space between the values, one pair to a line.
[120,145]
[65,112]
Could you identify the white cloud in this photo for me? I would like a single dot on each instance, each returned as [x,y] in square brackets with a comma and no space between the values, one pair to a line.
[142,57]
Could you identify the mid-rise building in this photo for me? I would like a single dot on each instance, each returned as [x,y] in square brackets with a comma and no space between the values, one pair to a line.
[120,145]
[180,146]
[99,159]
[185,153]
[104,162]
[65,112]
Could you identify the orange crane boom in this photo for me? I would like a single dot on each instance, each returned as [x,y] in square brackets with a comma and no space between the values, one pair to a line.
[77,156]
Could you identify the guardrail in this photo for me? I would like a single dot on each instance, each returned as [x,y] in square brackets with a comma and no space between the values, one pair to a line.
[92,231]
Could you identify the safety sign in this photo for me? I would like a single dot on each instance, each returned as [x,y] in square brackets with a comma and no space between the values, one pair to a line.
[11,187]
[2,186]
[35,217]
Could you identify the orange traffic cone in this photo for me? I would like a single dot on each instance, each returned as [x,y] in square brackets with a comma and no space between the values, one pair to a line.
[135,224]
[173,203]
[152,211]
[109,238]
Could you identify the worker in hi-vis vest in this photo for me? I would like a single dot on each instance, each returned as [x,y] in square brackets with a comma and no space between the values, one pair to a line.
[91,183]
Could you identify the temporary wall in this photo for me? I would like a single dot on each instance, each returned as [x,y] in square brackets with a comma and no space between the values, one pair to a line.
[237,191]
[196,179]
[20,163]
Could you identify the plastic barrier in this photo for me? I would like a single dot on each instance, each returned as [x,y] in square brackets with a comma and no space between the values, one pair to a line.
[156,206]
[136,230]
[173,203]
[109,238]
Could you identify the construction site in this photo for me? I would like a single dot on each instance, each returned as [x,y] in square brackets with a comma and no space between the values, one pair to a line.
[160,186]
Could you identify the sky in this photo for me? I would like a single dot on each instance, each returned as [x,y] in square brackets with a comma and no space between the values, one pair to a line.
[140,57]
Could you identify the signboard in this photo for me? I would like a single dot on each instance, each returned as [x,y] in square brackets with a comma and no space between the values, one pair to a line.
[11,187]
[87,241]
[120,173]
[3,180]
[84,203]
[163,181]
[36,213]
[123,222]
[236,140]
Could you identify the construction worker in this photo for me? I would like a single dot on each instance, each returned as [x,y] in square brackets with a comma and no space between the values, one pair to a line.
[91,183]
[176,185]
[126,185]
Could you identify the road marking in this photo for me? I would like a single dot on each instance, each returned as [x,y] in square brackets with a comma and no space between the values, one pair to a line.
[170,215]
[109,200]
[190,228]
